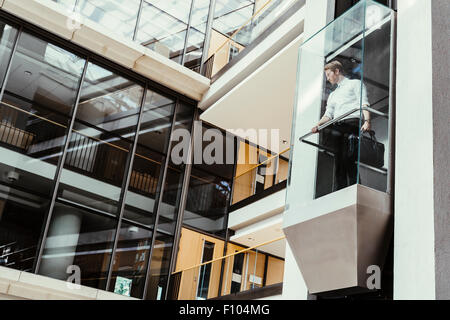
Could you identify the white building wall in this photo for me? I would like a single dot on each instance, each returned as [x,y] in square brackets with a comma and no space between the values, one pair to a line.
[317,14]
[422,241]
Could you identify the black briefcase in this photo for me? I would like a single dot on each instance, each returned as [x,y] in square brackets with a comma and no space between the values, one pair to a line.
[371,151]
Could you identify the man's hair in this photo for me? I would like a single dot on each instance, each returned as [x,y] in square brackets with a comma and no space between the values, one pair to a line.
[333,66]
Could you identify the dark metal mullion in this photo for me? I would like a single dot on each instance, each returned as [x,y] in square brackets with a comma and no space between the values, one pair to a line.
[60,167]
[8,68]
[233,180]
[186,39]
[183,198]
[125,185]
[138,20]
[163,176]
[266,267]
[207,41]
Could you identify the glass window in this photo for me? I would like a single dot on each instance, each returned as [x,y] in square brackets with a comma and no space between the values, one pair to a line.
[35,112]
[102,137]
[232,14]
[210,184]
[196,38]
[173,183]
[68,4]
[205,271]
[80,239]
[159,268]
[119,16]
[8,35]
[162,27]
[171,197]
[149,159]
[130,261]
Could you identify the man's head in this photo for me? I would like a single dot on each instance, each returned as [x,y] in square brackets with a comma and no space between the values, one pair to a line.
[334,72]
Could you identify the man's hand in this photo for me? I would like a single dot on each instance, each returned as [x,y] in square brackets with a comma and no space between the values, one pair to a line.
[366,126]
[315,129]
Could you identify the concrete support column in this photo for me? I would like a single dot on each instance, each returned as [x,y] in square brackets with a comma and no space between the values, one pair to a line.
[422,217]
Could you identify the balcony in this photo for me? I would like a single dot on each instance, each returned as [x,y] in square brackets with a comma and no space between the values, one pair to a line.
[253,272]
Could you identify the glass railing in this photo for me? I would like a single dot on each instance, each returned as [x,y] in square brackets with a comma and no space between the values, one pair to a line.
[343,118]
[241,270]
[252,179]
[264,16]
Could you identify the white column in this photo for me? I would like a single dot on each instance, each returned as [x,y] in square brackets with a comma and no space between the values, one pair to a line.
[422,219]
[317,14]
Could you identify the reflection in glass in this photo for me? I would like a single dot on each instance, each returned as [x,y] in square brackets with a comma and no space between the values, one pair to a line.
[159,268]
[151,150]
[103,134]
[68,4]
[162,27]
[205,271]
[175,170]
[196,37]
[130,261]
[210,186]
[82,239]
[8,35]
[35,112]
[117,15]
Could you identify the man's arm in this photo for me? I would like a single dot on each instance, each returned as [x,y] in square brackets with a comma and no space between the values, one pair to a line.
[366,125]
[324,119]
[365,103]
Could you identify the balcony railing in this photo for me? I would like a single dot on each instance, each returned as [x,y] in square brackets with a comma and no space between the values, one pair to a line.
[261,177]
[240,271]
[246,34]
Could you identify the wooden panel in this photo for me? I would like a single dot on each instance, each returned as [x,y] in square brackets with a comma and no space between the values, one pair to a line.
[275,271]
[253,270]
[190,254]
[283,169]
[222,56]
[243,184]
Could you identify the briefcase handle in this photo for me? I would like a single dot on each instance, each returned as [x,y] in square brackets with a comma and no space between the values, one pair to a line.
[372,135]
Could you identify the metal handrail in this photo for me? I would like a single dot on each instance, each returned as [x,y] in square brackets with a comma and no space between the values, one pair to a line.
[329,123]
[264,162]
[241,27]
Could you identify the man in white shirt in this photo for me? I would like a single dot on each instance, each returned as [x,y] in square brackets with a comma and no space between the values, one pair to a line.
[346,97]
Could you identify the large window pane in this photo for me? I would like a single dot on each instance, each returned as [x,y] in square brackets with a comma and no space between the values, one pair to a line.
[34,116]
[210,184]
[149,159]
[175,171]
[196,38]
[80,239]
[101,140]
[8,35]
[159,268]
[163,25]
[130,261]
[116,15]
